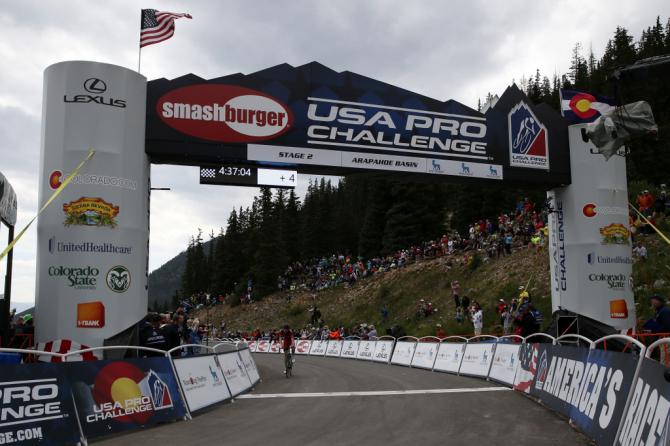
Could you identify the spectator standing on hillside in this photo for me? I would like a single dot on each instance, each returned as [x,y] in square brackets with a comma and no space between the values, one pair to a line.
[478,319]
[640,252]
[385,314]
[372,334]
[456,292]
[439,332]
[501,309]
[465,303]
[660,324]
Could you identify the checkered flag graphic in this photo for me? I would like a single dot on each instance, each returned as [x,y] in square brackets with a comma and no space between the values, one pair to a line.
[207,173]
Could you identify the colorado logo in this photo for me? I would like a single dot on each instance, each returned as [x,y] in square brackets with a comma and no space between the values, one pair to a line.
[224,113]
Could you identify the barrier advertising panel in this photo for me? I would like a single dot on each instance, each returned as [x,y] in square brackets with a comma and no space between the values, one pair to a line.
[252,345]
[234,372]
[383,350]
[366,350]
[250,366]
[37,406]
[425,354]
[302,347]
[201,380]
[263,347]
[647,420]
[527,368]
[117,396]
[334,348]
[318,348]
[449,357]
[477,359]
[589,387]
[505,362]
[403,352]
[349,349]
[275,347]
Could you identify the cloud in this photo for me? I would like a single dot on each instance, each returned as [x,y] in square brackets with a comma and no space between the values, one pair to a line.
[447,50]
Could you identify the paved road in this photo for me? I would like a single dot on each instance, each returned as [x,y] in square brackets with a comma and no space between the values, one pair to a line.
[466,411]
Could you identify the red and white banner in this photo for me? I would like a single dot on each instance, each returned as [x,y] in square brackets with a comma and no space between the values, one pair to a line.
[252,345]
[449,356]
[302,347]
[366,350]
[403,352]
[65,346]
[275,347]
[425,354]
[263,347]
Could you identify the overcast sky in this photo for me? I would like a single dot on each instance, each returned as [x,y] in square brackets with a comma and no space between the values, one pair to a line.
[446,50]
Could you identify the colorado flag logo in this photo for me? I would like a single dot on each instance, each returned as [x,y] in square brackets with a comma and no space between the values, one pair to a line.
[528,143]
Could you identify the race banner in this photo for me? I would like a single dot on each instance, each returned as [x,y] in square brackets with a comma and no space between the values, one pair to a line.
[250,366]
[403,352]
[302,347]
[383,350]
[201,380]
[318,348]
[349,349]
[334,348]
[647,420]
[275,347]
[252,345]
[505,362]
[234,372]
[263,347]
[449,357]
[588,386]
[477,359]
[36,406]
[425,354]
[118,396]
[366,350]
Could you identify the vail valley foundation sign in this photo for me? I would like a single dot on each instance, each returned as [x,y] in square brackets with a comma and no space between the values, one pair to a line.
[311,117]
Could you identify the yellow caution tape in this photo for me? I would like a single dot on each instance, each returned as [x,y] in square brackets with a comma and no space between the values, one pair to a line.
[48,202]
[658,231]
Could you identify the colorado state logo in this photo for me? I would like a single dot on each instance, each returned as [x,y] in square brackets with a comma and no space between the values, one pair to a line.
[528,141]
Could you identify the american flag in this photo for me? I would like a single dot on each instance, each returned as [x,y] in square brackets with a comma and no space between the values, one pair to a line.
[158,26]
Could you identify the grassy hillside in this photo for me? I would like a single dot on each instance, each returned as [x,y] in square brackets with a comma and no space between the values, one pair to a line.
[400,290]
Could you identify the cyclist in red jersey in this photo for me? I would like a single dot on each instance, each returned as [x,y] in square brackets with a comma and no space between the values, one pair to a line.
[287,340]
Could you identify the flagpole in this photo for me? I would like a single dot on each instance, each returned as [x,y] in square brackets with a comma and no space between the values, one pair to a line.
[139,57]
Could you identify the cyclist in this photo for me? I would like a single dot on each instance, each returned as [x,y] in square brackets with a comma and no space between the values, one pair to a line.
[286,339]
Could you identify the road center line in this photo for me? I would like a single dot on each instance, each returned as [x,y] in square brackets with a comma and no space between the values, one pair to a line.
[372,393]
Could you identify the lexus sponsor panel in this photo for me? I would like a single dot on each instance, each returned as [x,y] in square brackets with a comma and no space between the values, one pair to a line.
[92,241]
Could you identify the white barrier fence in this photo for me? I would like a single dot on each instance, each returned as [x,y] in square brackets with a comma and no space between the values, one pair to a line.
[525,363]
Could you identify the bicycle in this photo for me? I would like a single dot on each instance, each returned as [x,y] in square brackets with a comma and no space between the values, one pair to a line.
[288,362]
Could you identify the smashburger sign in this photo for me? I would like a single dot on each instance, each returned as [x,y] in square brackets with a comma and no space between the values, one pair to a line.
[224,113]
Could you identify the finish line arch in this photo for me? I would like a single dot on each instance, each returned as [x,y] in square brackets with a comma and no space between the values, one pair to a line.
[92,261]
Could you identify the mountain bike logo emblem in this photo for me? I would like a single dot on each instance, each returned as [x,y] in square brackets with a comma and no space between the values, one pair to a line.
[528,140]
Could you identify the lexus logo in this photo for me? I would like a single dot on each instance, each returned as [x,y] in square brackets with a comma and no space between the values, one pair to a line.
[95,85]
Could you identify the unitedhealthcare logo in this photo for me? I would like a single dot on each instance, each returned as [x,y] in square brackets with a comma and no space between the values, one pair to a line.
[56,246]
[593,259]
